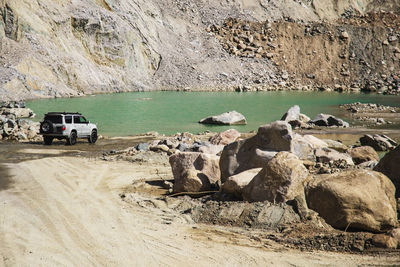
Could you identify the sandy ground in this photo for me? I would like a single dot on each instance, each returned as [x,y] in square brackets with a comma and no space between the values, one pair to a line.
[66,210]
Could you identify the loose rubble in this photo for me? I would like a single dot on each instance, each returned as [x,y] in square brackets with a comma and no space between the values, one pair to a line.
[326,183]
[296,48]
[15,123]
[370,114]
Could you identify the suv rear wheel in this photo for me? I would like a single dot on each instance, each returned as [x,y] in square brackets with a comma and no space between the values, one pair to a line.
[71,140]
[93,137]
[47,140]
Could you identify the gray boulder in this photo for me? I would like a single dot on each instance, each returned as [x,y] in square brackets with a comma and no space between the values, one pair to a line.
[281,180]
[304,146]
[390,166]
[227,118]
[292,116]
[257,151]
[194,171]
[142,147]
[182,147]
[379,142]
[235,184]
[328,120]
[354,199]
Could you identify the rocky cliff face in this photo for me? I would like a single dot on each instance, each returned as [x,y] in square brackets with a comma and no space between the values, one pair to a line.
[58,48]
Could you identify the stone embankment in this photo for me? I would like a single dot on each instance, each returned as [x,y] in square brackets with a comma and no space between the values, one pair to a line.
[15,123]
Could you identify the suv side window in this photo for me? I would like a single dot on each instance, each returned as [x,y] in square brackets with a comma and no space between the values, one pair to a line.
[68,119]
[79,119]
[83,119]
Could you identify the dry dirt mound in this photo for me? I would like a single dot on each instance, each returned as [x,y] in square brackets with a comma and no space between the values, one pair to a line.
[356,53]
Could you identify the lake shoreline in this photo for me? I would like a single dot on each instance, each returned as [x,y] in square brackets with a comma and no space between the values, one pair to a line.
[134,113]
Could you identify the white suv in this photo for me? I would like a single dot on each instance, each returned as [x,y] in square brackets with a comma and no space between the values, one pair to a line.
[67,125]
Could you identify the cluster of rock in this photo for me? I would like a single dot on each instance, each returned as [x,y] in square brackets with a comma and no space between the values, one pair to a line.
[276,166]
[15,123]
[372,114]
[345,44]
[246,40]
[368,107]
[180,142]
[386,84]
[292,116]
[299,120]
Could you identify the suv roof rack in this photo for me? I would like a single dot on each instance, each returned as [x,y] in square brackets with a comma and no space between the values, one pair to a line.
[62,113]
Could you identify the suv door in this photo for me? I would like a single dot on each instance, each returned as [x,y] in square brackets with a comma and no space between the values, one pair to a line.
[85,126]
[77,125]
[81,125]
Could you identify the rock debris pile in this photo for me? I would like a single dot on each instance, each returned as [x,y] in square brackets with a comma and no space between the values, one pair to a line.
[371,114]
[328,56]
[15,123]
[279,166]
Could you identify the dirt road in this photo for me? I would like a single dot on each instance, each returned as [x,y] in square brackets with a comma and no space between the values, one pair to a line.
[66,210]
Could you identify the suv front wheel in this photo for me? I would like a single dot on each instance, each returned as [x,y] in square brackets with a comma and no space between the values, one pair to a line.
[93,137]
[71,140]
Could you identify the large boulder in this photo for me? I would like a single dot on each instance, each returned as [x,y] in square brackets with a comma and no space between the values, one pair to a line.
[257,151]
[296,119]
[227,118]
[325,155]
[281,180]
[355,199]
[225,137]
[328,120]
[390,166]
[235,184]
[292,116]
[379,142]
[363,154]
[304,146]
[194,171]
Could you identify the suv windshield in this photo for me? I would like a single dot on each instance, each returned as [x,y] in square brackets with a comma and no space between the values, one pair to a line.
[53,118]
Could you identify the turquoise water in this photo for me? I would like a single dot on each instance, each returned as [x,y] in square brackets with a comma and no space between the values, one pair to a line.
[125,114]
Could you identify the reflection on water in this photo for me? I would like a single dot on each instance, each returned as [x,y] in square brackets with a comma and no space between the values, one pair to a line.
[170,112]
